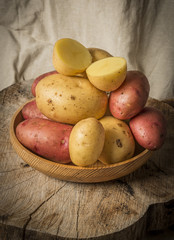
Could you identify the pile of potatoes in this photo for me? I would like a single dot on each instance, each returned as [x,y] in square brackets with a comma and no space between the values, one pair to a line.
[90,108]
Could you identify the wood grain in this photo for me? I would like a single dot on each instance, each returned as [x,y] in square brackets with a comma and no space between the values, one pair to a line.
[35,206]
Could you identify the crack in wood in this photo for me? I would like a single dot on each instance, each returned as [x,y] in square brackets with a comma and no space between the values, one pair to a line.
[4,217]
[23,165]
[4,95]
[158,168]
[31,214]
[77,218]
[58,228]
[22,181]
[101,200]
[57,237]
[12,170]
[129,189]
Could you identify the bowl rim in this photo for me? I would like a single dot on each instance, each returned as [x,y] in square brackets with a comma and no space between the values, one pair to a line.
[107,166]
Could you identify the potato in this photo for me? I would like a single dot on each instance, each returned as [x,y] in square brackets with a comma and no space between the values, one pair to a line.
[86,142]
[149,128]
[119,142]
[30,110]
[69,99]
[70,57]
[46,138]
[107,74]
[33,87]
[130,98]
[98,54]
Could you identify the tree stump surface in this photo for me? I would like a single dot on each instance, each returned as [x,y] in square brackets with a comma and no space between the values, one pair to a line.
[35,206]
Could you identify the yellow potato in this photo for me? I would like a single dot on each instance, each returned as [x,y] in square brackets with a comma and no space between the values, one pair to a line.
[107,74]
[86,142]
[70,57]
[69,99]
[98,54]
[119,142]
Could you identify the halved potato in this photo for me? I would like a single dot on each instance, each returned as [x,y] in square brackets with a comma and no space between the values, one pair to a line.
[96,54]
[70,57]
[107,74]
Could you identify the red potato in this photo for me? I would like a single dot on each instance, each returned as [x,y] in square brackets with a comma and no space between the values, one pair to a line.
[30,110]
[33,87]
[130,98]
[46,138]
[149,128]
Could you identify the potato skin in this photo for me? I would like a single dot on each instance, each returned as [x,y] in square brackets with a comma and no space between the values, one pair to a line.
[149,128]
[86,142]
[46,138]
[69,99]
[119,142]
[30,110]
[98,54]
[33,87]
[130,98]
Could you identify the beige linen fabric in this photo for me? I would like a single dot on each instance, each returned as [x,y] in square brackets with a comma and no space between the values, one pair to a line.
[142,31]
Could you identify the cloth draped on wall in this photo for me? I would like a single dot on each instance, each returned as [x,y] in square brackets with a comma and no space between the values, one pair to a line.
[141,31]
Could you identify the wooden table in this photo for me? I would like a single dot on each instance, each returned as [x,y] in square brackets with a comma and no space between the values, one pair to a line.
[34,206]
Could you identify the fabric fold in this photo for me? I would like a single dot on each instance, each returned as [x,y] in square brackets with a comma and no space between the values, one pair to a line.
[140,31]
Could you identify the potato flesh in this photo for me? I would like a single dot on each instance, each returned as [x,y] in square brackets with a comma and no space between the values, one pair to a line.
[70,57]
[107,74]
[108,66]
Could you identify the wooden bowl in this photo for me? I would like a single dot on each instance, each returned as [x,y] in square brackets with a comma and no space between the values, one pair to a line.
[94,173]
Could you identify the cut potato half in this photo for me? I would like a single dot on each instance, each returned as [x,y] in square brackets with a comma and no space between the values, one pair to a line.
[70,57]
[96,54]
[107,74]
